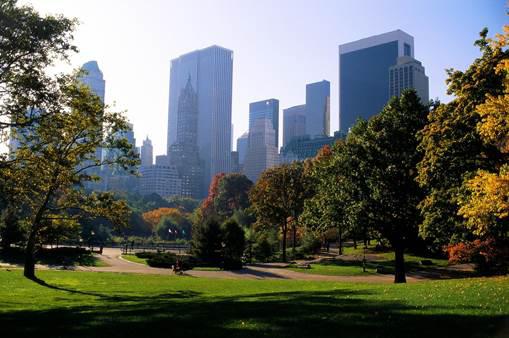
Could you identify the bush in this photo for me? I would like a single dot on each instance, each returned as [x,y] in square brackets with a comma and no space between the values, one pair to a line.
[265,245]
[311,244]
[206,242]
[233,245]
[167,260]
[490,256]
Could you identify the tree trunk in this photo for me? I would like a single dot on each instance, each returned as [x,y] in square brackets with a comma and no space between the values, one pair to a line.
[294,237]
[399,275]
[29,268]
[354,242]
[340,242]
[284,241]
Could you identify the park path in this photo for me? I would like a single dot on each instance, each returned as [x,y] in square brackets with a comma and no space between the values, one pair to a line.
[112,257]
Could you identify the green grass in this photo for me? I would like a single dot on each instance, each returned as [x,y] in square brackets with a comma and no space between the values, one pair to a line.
[335,269]
[85,304]
[135,259]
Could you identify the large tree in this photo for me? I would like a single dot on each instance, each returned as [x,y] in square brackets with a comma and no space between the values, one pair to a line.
[278,196]
[232,194]
[390,143]
[52,164]
[29,45]
[453,147]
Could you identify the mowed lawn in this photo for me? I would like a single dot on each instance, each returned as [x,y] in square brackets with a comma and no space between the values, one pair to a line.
[87,304]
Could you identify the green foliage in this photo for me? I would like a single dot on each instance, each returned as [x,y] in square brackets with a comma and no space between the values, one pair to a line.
[206,242]
[279,194]
[233,245]
[311,244]
[232,194]
[29,45]
[452,146]
[174,226]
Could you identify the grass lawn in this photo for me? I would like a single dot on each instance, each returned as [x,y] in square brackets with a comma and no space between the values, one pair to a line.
[335,269]
[86,304]
[135,259]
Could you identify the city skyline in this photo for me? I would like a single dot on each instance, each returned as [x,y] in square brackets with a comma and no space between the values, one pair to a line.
[148,62]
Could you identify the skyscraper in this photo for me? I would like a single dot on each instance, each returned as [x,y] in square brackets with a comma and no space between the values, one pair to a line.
[242,144]
[209,71]
[262,152]
[147,153]
[266,109]
[294,123]
[184,154]
[408,73]
[363,74]
[318,108]
[94,79]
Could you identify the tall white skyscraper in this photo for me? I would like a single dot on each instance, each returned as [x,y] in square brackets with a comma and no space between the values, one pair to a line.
[147,153]
[209,71]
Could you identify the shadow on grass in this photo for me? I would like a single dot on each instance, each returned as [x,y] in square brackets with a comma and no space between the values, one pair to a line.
[62,256]
[332,313]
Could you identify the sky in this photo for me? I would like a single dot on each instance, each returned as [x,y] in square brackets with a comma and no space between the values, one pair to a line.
[278,45]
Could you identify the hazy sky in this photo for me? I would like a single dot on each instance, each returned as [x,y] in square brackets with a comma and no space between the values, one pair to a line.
[279,46]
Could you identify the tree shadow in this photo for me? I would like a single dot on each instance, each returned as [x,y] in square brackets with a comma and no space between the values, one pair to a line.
[331,313]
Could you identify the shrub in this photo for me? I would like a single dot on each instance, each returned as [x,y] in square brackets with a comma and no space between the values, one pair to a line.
[311,244]
[167,259]
[206,242]
[490,256]
[233,245]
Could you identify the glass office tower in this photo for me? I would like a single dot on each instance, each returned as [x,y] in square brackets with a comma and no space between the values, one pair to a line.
[363,74]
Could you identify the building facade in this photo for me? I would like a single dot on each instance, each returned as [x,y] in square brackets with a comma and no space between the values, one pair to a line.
[301,148]
[262,152]
[266,109]
[318,108]
[147,153]
[160,179]
[294,123]
[184,153]
[210,73]
[94,79]
[408,73]
[363,74]
[242,145]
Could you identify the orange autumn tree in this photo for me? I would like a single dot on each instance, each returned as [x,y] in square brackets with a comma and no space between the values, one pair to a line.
[153,217]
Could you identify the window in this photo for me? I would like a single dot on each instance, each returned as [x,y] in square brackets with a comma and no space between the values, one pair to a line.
[407,51]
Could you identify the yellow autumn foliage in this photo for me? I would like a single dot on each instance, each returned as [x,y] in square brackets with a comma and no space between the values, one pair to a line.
[486,207]
[488,201]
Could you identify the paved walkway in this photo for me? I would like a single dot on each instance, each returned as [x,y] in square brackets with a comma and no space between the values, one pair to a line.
[115,263]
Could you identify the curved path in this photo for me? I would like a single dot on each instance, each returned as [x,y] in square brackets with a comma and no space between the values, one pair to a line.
[112,257]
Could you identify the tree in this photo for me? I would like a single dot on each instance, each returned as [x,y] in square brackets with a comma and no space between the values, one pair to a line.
[232,194]
[233,245]
[278,196]
[153,217]
[173,226]
[29,45]
[52,164]
[453,147]
[207,206]
[206,241]
[392,157]
[485,204]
